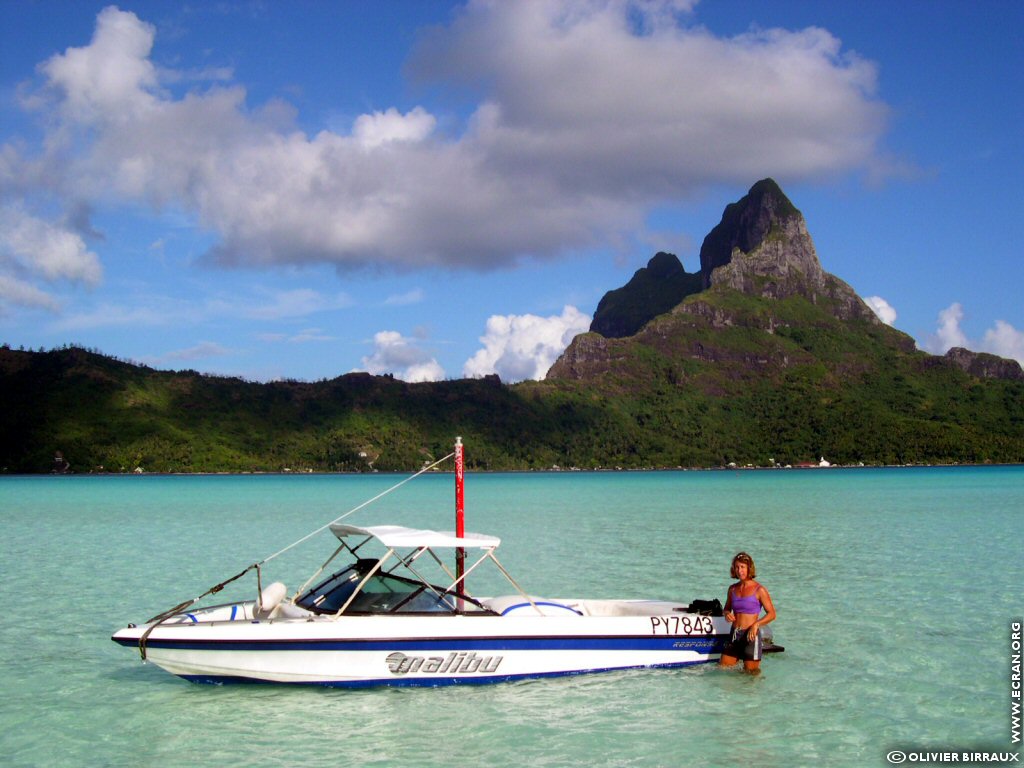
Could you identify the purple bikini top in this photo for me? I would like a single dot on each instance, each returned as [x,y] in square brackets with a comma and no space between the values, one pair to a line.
[748,604]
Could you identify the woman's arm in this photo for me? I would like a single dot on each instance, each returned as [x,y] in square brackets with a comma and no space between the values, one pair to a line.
[729,615]
[769,612]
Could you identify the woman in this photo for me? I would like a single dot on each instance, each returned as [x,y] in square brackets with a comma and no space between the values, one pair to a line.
[743,607]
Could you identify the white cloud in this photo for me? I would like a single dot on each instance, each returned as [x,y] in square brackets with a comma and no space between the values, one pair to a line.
[401,356]
[948,333]
[385,127]
[45,250]
[19,293]
[111,78]
[415,296]
[275,305]
[302,337]
[588,113]
[575,94]
[154,313]
[518,347]
[310,334]
[1002,339]
[882,308]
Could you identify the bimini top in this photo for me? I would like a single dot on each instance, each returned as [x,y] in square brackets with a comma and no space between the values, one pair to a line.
[396,536]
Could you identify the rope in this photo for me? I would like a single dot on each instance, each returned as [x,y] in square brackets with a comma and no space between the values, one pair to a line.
[160,618]
[352,511]
[259,589]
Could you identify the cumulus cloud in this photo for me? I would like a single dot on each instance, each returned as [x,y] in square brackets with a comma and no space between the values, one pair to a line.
[112,77]
[518,347]
[1002,339]
[403,357]
[588,113]
[882,308]
[575,93]
[392,126]
[33,246]
[948,334]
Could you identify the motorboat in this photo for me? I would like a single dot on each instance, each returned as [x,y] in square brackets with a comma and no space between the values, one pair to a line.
[387,608]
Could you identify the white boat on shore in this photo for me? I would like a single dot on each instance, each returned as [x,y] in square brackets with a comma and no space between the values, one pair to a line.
[392,613]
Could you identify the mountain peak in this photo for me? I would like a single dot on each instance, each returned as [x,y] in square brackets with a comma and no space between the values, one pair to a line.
[653,289]
[665,265]
[761,247]
[745,224]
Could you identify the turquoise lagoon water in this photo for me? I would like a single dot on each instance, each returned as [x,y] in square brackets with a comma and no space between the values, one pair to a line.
[895,590]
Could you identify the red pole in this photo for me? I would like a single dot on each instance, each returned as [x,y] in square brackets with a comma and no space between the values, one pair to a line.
[460,513]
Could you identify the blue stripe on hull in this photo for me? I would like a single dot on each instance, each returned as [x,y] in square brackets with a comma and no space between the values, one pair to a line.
[432,682]
[642,643]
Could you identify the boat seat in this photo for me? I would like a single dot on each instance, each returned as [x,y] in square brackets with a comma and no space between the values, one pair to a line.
[506,604]
[271,596]
[289,610]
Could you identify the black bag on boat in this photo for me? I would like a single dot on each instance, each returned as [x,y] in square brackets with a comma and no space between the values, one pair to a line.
[706,607]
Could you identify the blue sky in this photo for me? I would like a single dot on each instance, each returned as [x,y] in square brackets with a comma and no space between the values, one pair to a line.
[438,190]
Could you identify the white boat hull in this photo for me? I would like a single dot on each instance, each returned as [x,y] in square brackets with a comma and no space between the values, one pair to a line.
[424,650]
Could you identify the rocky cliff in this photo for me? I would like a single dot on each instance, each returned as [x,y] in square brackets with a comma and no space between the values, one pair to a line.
[762,247]
[985,366]
[654,289]
[745,224]
[764,306]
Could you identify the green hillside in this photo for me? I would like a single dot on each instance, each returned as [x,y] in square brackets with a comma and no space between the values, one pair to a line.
[876,404]
[815,386]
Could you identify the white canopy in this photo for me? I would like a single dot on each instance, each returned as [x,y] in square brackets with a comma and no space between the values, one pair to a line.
[399,536]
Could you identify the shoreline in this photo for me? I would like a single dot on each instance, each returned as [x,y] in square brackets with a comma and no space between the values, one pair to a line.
[549,471]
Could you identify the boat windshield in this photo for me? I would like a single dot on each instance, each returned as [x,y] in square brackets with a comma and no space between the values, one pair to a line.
[383,593]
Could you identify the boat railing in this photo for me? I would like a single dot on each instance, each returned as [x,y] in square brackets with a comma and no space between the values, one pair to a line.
[407,561]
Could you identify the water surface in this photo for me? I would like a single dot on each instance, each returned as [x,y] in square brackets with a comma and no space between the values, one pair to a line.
[895,591]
